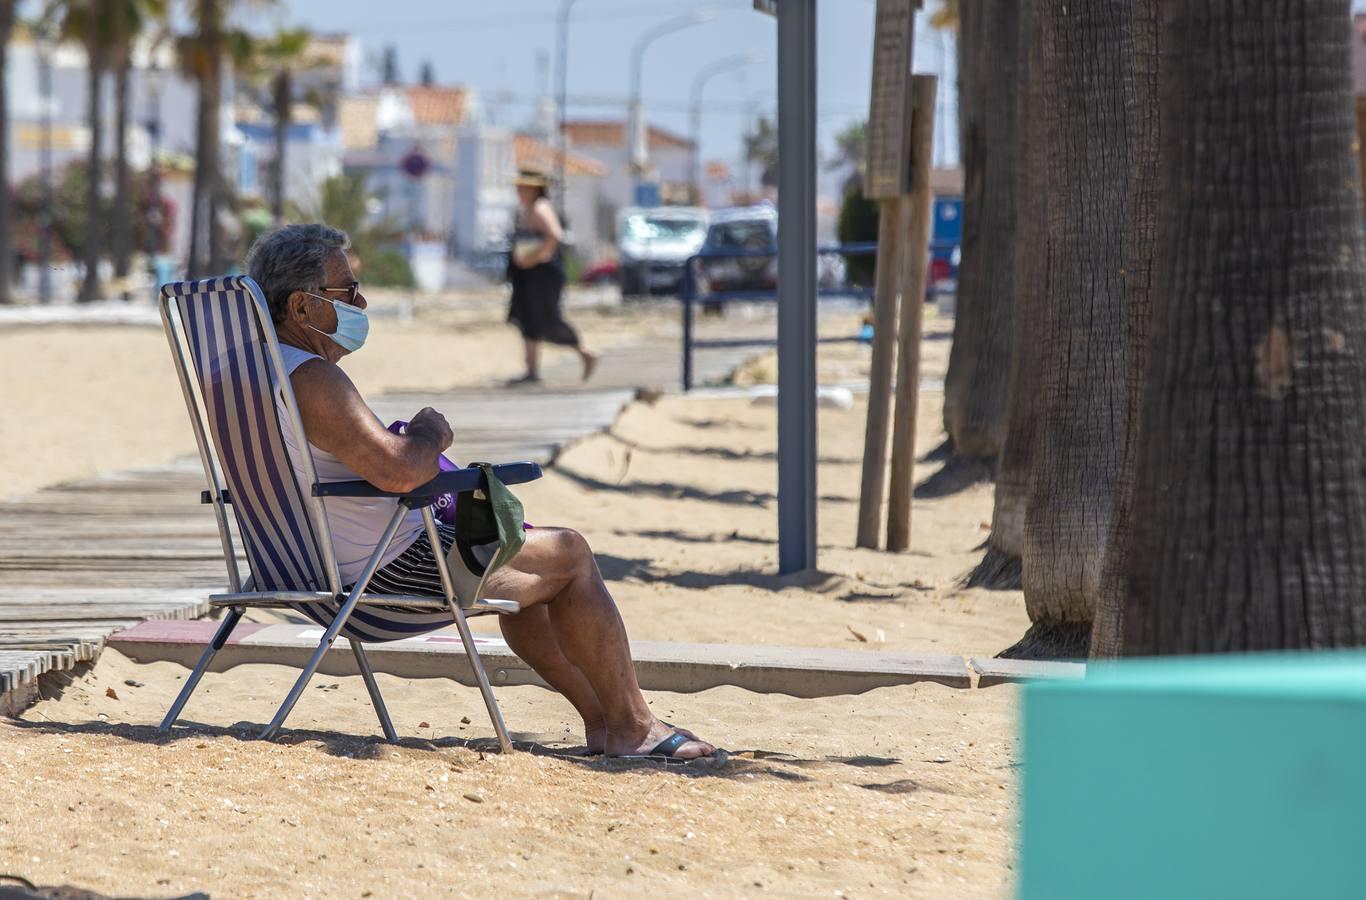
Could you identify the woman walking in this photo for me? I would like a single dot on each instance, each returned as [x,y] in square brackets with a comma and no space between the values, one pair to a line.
[536,270]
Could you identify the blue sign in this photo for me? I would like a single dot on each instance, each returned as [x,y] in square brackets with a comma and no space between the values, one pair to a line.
[647,194]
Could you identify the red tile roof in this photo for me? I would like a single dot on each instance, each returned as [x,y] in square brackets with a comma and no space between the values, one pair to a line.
[610,133]
[529,153]
[439,105]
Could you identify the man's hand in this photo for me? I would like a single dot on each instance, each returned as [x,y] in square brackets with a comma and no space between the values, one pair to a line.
[432,425]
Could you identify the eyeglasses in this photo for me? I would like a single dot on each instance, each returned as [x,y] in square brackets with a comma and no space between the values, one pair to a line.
[351,290]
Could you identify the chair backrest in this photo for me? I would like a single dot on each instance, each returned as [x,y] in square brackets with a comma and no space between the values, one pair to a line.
[237,366]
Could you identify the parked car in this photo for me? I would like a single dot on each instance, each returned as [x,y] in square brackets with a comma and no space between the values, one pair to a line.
[654,245]
[749,232]
[606,272]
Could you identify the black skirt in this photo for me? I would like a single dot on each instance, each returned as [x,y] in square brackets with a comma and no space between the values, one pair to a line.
[535,307]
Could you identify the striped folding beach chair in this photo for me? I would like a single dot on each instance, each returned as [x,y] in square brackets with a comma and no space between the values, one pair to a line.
[232,375]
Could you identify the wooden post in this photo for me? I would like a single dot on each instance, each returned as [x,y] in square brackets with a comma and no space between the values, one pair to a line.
[916,261]
[886,178]
[891,226]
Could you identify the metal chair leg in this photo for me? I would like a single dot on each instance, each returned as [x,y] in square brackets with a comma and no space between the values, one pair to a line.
[485,689]
[220,638]
[339,622]
[363,663]
[466,638]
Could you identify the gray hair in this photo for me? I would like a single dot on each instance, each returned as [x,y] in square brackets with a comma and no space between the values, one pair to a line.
[291,259]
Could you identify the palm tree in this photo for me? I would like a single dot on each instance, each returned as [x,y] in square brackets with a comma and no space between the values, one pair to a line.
[946,16]
[977,382]
[277,59]
[6,240]
[130,19]
[201,57]
[1248,496]
[92,23]
[761,147]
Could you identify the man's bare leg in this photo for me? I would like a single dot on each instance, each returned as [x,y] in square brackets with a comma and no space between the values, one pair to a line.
[556,569]
[531,637]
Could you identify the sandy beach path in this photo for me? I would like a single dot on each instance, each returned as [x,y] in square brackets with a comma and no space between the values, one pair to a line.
[905,791]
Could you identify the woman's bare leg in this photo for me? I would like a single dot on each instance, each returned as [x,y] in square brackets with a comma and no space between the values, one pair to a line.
[532,350]
[589,360]
[556,569]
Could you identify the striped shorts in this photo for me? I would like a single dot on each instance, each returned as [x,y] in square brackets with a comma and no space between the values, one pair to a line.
[414,571]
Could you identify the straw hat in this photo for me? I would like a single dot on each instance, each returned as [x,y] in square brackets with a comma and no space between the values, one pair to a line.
[531,178]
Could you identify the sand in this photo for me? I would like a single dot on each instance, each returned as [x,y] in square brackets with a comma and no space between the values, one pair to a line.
[905,791]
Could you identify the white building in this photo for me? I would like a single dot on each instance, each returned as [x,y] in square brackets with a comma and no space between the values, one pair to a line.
[670,161]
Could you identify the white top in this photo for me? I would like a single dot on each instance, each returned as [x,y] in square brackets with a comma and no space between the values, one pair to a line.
[356,522]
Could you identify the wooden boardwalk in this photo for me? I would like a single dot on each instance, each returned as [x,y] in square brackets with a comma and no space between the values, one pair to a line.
[83,560]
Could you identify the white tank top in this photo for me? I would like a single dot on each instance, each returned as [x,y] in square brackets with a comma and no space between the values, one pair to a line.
[356,522]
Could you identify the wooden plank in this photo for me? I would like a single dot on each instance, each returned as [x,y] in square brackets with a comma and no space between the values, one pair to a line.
[660,665]
[991,671]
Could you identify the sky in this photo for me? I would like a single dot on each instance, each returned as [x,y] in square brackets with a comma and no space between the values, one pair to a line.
[494,47]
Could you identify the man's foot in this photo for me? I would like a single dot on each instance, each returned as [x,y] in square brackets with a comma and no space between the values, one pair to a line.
[596,735]
[527,379]
[661,740]
[590,364]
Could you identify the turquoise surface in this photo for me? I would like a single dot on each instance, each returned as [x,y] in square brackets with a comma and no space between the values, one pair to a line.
[1199,777]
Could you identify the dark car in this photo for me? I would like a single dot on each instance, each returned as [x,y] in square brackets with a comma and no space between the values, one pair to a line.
[740,252]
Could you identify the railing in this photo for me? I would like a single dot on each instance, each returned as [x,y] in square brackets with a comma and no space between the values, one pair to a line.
[690,295]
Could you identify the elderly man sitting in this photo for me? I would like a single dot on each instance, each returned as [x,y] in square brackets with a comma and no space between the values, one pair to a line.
[569,629]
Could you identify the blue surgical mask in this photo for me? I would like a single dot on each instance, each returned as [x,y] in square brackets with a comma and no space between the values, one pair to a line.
[353,325]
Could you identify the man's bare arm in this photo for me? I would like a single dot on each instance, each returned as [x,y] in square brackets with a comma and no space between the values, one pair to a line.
[337,420]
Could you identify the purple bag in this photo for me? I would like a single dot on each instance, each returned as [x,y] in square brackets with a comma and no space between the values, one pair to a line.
[443,507]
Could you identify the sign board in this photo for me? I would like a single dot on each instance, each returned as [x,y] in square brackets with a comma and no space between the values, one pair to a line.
[889,109]
[767,6]
[647,194]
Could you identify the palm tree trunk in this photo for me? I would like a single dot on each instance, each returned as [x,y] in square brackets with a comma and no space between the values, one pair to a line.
[1000,566]
[121,238]
[976,386]
[1249,502]
[6,236]
[212,158]
[205,255]
[1087,74]
[95,225]
[194,265]
[283,116]
[1108,628]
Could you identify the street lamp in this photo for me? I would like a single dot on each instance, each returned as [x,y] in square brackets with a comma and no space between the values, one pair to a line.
[562,79]
[738,61]
[636,144]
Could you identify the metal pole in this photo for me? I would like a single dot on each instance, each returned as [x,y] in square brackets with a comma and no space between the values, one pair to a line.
[797,286]
[45,228]
[687,341]
[695,111]
[637,143]
[562,81]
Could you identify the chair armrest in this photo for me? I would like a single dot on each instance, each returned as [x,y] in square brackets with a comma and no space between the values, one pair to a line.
[460,481]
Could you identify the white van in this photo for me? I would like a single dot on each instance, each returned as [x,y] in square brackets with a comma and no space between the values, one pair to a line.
[654,245]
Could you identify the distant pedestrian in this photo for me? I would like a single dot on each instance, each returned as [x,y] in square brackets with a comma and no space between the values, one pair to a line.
[536,271]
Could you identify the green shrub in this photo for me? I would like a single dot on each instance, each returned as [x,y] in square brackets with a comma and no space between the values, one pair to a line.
[858,223]
[387,268]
